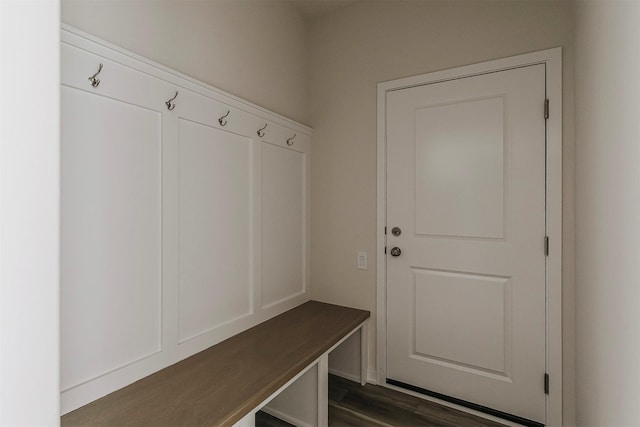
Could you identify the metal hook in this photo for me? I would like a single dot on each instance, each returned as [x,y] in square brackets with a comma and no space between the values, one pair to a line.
[222,120]
[290,140]
[261,131]
[169,105]
[92,80]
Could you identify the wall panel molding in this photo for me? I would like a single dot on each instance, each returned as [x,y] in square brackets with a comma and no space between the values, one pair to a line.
[163,227]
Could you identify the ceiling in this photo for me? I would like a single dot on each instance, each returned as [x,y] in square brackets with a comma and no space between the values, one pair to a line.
[312,9]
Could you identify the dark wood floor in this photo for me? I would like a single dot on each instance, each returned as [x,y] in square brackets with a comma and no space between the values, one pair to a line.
[353,405]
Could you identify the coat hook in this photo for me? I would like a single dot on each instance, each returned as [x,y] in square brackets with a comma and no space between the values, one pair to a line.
[92,80]
[290,140]
[169,105]
[261,131]
[222,120]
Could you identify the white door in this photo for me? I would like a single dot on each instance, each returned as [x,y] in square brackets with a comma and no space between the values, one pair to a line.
[466,189]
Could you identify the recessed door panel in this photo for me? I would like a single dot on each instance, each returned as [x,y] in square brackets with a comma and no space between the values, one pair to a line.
[215,228]
[460,168]
[111,285]
[477,341]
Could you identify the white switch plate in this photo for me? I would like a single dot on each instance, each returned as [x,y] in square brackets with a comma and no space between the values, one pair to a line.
[361,261]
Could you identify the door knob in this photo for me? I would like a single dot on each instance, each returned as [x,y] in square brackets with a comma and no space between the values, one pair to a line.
[396,251]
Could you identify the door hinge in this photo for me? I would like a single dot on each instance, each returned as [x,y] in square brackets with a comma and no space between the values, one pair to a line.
[546,109]
[385,230]
[546,245]
[546,383]
[385,249]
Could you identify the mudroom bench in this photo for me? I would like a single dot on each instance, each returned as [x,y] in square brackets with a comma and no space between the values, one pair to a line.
[226,384]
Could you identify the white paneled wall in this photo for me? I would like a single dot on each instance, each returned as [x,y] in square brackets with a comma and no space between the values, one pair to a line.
[216,236]
[111,234]
[283,208]
[179,229]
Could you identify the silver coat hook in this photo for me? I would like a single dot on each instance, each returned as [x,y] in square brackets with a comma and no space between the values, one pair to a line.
[261,131]
[222,120]
[290,140]
[92,80]
[169,105]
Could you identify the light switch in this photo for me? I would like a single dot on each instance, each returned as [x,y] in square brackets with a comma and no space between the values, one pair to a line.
[361,262]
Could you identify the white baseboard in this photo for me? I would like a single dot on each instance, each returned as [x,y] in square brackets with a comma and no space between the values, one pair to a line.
[371,378]
[346,375]
[285,417]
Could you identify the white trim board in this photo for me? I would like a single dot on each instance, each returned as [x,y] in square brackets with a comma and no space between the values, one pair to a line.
[96,45]
[552,58]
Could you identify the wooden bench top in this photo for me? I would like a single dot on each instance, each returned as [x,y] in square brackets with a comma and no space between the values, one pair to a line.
[223,383]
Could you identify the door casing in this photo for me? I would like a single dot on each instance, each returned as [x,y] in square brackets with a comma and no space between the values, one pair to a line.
[552,58]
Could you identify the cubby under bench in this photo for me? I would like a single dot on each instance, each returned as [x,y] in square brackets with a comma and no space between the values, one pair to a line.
[226,384]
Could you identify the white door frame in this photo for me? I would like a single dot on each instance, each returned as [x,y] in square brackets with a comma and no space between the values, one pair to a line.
[552,58]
